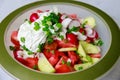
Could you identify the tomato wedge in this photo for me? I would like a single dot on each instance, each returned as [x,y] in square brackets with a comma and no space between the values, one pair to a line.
[64,44]
[62,67]
[73,56]
[14,39]
[52,46]
[72,38]
[31,62]
[53,60]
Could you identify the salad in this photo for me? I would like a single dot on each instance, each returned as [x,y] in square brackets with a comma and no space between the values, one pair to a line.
[54,42]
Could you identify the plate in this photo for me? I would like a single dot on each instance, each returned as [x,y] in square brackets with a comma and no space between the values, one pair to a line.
[107,29]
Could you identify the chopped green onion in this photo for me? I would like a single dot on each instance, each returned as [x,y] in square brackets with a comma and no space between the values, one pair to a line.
[26,49]
[35,67]
[49,23]
[80,68]
[22,39]
[36,26]
[68,63]
[50,40]
[40,47]
[59,25]
[63,62]
[12,48]
[53,52]
[98,42]
[83,25]
[83,33]
[61,37]
[73,29]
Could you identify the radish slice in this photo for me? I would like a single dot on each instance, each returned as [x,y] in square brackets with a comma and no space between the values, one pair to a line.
[74,23]
[64,16]
[73,16]
[80,36]
[92,35]
[89,31]
[66,22]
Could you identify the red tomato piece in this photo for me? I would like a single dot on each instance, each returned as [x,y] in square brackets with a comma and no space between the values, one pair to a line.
[72,38]
[47,53]
[73,56]
[95,55]
[52,46]
[65,44]
[53,60]
[17,57]
[62,68]
[33,17]
[31,62]
[14,39]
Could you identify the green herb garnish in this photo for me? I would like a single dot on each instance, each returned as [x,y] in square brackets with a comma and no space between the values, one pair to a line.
[68,63]
[12,48]
[40,47]
[98,42]
[73,29]
[59,25]
[63,62]
[35,67]
[22,39]
[53,52]
[80,68]
[61,37]
[26,49]
[36,26]
[83,25]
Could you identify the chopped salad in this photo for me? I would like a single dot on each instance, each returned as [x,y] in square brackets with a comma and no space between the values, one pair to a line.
[54,42]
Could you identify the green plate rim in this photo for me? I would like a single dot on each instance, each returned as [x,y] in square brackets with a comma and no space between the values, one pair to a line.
[95,71]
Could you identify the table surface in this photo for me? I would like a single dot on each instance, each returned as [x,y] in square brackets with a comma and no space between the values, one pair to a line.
[111,7]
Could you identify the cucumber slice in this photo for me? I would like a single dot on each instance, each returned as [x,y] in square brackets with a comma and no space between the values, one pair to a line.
[90,21]
[81,51]
[89,48]
[44,65]
[95,60]
[82,66]
[67,49]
